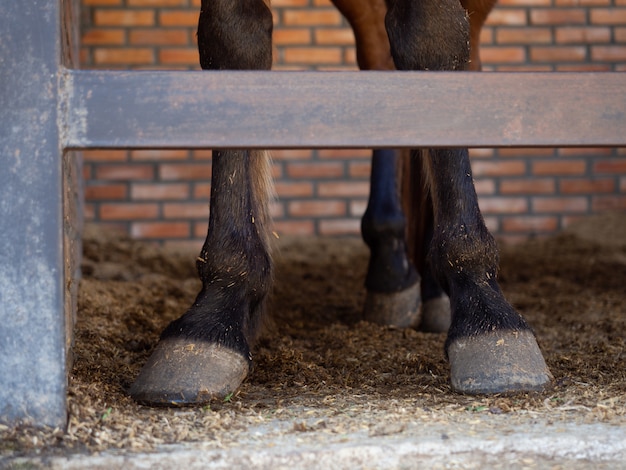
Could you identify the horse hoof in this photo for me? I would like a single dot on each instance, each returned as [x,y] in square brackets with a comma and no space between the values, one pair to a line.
[400,309]
[184,371]
[436,315]
[498,362]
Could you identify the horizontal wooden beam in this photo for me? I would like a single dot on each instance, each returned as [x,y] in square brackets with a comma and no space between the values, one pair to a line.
[147,109]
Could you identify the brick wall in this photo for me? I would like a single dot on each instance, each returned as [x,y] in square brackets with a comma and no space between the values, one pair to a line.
[163,195]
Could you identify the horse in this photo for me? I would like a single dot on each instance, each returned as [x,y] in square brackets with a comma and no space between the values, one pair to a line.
[207,352]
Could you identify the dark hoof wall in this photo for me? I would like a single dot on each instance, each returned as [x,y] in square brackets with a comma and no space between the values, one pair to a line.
[188,372]
[400,309]
[498,362]
[436,315]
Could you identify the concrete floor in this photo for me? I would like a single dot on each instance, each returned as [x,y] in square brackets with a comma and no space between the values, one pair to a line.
[495,445]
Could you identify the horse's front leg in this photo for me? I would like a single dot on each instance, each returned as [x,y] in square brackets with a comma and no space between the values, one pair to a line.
[490,347]
[206,353]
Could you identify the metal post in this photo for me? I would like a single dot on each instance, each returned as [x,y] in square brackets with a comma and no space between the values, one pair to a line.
[33,267]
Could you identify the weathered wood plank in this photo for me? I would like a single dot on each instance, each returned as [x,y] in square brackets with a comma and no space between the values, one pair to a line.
[343,109]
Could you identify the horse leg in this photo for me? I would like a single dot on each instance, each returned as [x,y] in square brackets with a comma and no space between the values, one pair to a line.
[392,283]
[477,11]
[417,202]
[206,352]
[490,347]
[436,315]
[393,296]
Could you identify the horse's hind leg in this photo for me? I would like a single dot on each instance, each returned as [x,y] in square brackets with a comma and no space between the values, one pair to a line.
[477,11]
[490,347]
[206,353]
[392,283]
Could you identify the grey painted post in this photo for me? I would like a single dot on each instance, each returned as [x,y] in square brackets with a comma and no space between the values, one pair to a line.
[33,278]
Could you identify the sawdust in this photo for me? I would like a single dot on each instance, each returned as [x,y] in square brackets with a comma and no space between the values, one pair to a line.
[319,370]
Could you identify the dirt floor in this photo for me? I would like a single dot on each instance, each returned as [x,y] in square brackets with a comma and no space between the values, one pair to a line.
[319,369]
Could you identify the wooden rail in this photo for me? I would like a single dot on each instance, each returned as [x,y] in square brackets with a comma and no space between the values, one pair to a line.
[343,109]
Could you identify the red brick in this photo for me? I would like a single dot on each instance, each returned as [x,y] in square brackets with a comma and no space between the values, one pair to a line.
[358,207]
[558,53]
[558,16]
[553,167]
[320,16]
[608,53]
[334,36]
[485,187]
[582,67]
[343,189]
[584,151]
[530,224]
[619,34]
[528,186]
[123,56]
[523,3]
[586,34]
[125,17]
[340,227]
[326,208]
[290,154]
[179,18]
[345,153]
[128,211]
[507,17]
[184,171]
[616,16]
[294,227]
[312,55]
[92,155]
[124,172]
[525,152]
[583,186]
[159,37]
[498,168]
[289,3]
[499,54]
[560,204]
[359,169]
[481,153]
[603,203]
[160,230]
[582,2]
[180,56]
[105,192]
[155,3]
[104,37]
[200,229]
[187,210]
[527,35]
[202,190]
[287,189]
[612,166]
[202,154]
[292,36]
[315,170]
[100,3]
[503,205]
[158,155]
[159,191]
[277,209]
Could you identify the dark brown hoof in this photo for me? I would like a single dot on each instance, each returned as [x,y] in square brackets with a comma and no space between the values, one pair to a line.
[498,362]
[188,372]
[436,315]
[400,309]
